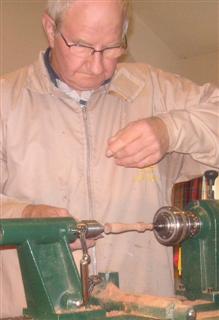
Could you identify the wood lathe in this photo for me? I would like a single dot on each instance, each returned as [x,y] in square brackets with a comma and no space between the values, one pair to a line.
[56,290]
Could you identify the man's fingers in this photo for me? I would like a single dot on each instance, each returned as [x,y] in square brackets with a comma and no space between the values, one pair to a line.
[76,245]
[123,138]
[115,145]
[43,211]
[132,160]
[140,144]
[61,212]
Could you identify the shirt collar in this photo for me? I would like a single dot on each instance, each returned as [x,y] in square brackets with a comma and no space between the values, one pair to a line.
[52,74]
[83,97]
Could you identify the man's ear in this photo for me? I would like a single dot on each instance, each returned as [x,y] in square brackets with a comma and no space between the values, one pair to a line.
[49,28]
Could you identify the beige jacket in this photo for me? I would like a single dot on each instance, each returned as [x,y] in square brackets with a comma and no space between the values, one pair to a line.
[53,152]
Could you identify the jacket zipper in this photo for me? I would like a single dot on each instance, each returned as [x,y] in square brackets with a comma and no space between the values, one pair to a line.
[83,105]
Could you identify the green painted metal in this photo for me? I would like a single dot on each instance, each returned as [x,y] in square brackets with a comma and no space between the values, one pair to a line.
[47,230]
[50,277]
[130,317]
[200,256]
[72,315]
[53,285]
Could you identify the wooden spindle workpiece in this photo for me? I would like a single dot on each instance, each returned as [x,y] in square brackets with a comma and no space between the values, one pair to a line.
[125,227]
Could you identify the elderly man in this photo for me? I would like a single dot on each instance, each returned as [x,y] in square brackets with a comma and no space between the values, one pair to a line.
[84,136]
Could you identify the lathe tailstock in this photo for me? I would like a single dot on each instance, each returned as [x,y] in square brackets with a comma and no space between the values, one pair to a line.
[197,230]
[55,290]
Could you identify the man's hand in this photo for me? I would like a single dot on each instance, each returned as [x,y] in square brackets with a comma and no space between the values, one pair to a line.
[76,245]
[140,144]
[44,211]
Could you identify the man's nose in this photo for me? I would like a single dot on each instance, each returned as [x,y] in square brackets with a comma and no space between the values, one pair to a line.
[96,63]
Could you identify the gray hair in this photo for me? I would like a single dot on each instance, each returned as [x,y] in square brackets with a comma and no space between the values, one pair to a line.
[57,8]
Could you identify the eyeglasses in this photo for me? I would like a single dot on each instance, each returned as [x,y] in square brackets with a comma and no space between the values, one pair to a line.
[84,51]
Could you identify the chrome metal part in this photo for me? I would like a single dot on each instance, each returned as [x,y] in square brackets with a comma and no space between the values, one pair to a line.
[93,228]
[191,314]
[93,281]
[85,278]
[172,225]
[84,263]
[1,233]
[87,229]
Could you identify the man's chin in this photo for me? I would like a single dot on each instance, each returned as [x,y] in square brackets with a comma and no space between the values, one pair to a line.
[86,85]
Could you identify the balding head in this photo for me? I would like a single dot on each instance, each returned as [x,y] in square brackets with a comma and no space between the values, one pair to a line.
[56,9]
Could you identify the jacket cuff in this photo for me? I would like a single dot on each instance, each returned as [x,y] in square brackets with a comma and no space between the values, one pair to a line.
[171,129]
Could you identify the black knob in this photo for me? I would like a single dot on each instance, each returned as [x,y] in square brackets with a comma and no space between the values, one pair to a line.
[210,176]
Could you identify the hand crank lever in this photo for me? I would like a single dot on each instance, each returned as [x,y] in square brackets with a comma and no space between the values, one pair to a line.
[87,229]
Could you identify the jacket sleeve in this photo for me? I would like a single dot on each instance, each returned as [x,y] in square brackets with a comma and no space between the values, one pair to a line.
[9,206]
[191,114]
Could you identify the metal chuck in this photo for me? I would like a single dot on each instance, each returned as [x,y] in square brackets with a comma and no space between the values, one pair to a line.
[172,225]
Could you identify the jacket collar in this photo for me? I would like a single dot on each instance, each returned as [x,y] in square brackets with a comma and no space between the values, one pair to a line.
[53,75]
[125,83]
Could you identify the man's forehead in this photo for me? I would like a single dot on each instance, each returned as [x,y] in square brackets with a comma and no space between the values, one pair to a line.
[97,3]
[93,12]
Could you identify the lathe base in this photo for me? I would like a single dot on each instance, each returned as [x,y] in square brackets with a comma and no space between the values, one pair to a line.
[210,315]
[111,303]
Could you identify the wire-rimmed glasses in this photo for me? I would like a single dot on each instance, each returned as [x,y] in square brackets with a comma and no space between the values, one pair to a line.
[84,51]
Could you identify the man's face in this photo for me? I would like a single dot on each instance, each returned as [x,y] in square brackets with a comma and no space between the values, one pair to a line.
[95,23]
